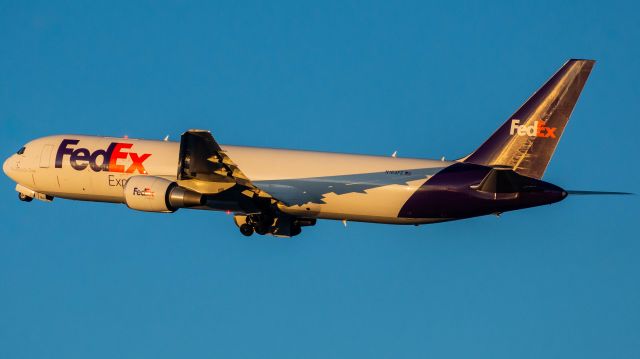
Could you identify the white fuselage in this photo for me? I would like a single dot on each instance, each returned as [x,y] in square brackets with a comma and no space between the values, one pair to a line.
[311,184]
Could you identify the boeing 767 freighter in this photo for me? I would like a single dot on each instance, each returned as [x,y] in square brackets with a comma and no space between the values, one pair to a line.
[277,191]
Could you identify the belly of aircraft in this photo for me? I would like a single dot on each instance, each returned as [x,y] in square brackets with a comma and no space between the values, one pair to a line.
[371,197]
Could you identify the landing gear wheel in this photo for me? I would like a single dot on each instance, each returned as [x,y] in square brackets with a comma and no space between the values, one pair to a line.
[295,230]
[262,230]
[246,229]
[24,197]
[261,223]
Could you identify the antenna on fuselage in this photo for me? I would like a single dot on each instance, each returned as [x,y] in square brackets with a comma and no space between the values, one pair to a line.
[394,154]
[166,138]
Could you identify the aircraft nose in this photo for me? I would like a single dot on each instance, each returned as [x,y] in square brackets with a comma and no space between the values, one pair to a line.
[7,165]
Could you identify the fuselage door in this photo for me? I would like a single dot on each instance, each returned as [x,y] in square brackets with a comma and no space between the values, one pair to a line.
[45,156]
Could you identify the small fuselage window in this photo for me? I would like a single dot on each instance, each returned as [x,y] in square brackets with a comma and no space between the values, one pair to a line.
[21,151]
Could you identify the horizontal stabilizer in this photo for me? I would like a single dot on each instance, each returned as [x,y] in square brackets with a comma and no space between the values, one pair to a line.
[589,193]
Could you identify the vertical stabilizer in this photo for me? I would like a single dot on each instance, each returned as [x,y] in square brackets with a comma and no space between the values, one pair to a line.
[526,142]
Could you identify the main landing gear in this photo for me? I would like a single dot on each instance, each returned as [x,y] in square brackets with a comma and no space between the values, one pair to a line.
[258,223]
[281,225]
[246,229]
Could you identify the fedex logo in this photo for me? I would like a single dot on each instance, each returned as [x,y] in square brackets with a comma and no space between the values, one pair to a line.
[101,160]
[538,129]
[145,192]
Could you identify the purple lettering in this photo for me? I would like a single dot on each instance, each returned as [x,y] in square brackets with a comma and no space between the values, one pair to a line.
[81,158]
[63,150]
[80,155]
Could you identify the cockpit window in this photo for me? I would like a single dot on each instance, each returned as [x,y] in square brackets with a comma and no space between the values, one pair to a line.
[21,151]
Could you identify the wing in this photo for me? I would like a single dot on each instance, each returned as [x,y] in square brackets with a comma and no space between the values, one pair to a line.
[205,168]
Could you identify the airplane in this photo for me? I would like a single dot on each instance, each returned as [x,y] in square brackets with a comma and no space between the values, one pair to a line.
[279,191]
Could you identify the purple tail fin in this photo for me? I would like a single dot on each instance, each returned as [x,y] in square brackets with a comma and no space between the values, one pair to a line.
[526,142]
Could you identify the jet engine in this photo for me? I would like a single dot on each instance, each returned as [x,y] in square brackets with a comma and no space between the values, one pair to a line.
[157,194]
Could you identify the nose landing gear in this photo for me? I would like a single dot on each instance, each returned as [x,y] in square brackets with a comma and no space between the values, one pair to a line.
[24,198]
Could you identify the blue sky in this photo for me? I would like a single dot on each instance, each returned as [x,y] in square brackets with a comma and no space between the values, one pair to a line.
[81,280]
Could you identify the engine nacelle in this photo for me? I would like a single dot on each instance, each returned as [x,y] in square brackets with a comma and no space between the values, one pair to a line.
[157,194]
